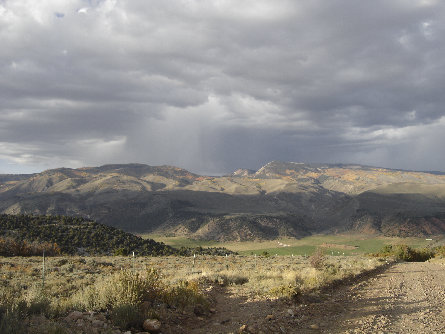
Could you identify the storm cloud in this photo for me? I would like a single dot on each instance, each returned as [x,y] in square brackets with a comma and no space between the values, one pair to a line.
[212,86]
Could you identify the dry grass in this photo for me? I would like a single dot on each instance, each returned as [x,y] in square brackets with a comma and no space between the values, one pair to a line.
[65,276]
[121,284]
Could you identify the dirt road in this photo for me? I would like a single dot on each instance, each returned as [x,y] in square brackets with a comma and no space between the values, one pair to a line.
[404,298]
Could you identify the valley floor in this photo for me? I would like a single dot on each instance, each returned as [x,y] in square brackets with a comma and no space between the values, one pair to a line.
[404,298]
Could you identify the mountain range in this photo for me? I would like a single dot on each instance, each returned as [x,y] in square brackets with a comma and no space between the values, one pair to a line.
[280,199]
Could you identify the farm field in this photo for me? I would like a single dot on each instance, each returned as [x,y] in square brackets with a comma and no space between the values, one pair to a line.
[344,244]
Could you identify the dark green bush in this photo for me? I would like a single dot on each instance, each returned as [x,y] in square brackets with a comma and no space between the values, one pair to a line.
[439,251]
[265,254]
[126,316]
[12,322]
[407,253]
[121,252]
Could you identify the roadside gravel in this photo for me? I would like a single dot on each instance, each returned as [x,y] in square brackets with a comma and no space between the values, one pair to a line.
[404,298]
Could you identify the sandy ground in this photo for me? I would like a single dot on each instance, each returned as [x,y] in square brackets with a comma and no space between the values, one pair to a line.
[403,298]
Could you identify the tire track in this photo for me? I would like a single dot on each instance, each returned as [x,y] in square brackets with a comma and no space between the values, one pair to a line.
[406,298]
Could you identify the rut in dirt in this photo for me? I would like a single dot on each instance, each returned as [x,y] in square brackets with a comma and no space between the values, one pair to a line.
[404,298]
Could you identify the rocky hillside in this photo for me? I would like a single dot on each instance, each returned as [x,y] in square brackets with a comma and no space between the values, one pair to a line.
[280,199]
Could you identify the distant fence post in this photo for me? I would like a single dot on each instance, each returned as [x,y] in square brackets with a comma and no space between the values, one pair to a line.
[43,269]
[227,264]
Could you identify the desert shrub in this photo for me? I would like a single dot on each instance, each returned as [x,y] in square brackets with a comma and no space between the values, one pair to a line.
[314,280]
[237,280]
[12,312]
[317,260]
[12,322]
[85,299]
[61,262]
[286,290]
[406,253]
[123,288]
[185,293]
[7,300]
[332,270]
[126,316]
[227,279]
[59,307]
[37,300]
[121,251]
[96,263]
[403,252]
[423,254]
[439,251]
[50,328]
[298,280]
[387,249]
[67,268]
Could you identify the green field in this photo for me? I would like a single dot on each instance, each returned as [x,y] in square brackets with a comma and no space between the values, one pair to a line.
[331,244]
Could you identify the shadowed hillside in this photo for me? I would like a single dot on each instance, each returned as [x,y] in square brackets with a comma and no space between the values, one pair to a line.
[280,199]
[24,235]
[72,235]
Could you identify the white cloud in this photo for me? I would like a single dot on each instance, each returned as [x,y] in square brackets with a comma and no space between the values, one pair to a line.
[83,10]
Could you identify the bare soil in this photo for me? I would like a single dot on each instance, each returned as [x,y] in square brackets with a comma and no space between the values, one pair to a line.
[402,298]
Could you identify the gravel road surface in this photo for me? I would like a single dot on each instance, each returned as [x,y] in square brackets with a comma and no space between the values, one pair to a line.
[403,298]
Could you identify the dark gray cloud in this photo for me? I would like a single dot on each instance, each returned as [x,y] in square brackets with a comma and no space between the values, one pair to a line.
[216,85]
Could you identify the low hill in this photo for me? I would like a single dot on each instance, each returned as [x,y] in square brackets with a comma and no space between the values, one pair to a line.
[73,235]
[30,235]
[280,199]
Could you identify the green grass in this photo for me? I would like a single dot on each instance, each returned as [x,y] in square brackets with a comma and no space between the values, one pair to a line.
[297,250]
[304,246]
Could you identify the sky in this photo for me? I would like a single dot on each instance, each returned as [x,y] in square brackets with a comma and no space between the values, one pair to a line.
[217,85]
